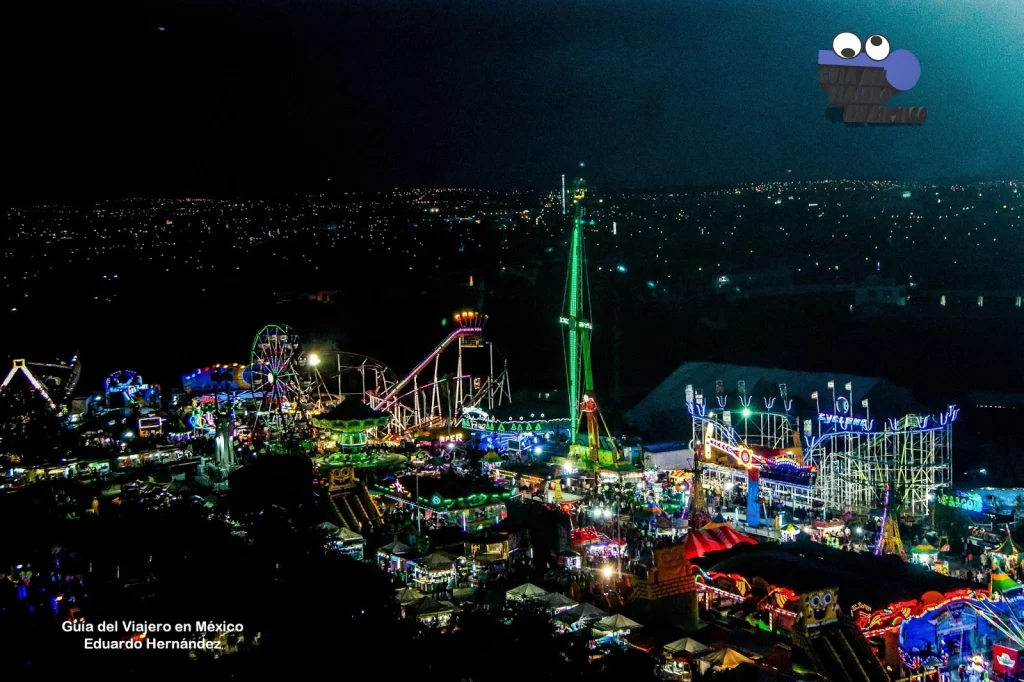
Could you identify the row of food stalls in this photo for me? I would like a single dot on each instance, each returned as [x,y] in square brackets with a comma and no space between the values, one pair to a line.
[436,573]
[678,659]
[68,469]
[570,616]
[78,470]
[431,578]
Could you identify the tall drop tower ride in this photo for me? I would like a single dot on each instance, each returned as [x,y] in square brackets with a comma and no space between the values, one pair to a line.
[576,319]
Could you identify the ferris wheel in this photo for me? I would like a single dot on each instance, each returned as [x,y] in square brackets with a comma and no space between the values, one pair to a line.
[276,354]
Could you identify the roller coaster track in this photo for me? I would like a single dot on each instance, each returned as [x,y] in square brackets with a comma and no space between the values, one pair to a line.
[394,395]
[416,405]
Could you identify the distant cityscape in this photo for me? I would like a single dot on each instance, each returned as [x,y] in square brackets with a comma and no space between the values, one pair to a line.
[858,247]
[914,236]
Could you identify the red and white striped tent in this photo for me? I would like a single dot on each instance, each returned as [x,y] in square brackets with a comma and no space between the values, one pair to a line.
[706,541]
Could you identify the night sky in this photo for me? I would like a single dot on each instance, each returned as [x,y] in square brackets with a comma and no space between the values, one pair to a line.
[257,98]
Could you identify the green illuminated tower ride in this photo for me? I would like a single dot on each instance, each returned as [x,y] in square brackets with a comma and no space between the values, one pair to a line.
[576,317]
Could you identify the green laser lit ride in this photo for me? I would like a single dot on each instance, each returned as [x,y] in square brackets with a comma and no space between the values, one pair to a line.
[576,319]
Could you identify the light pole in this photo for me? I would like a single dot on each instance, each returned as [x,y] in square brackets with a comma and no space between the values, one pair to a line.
[618,536]
[606,573]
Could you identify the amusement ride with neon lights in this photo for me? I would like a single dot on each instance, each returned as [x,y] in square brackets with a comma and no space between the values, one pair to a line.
[443,397]
[577,321]
[274,369]
[58,380]
[840,460]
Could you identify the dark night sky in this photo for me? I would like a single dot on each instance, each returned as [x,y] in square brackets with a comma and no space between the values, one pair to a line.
[256,97]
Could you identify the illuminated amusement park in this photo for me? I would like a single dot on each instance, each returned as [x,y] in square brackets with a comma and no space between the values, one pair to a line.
[792,524]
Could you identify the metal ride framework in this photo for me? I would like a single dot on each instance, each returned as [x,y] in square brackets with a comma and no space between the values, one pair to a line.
[439,400]
[855,463]
[62,381]
[275,363]
[576,318]
[913,455]
[334,373]
[716,430]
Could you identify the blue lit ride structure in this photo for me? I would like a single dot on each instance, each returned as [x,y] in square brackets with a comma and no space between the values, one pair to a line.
[125,388]
[233,379]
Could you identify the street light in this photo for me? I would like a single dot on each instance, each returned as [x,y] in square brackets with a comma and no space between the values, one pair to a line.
[313,359]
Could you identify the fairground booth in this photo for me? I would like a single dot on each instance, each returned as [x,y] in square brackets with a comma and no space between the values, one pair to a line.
[978,637]
[768,585]
[488,552]
[435,573]
[392,557]
[596,546]
[430,612]
[1006,557]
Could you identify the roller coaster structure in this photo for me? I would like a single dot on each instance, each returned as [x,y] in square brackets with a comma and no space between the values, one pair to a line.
[428,397]
[850,461]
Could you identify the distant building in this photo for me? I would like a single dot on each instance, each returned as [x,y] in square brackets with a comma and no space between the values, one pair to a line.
[879,293]
[322,296]
[990,400]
